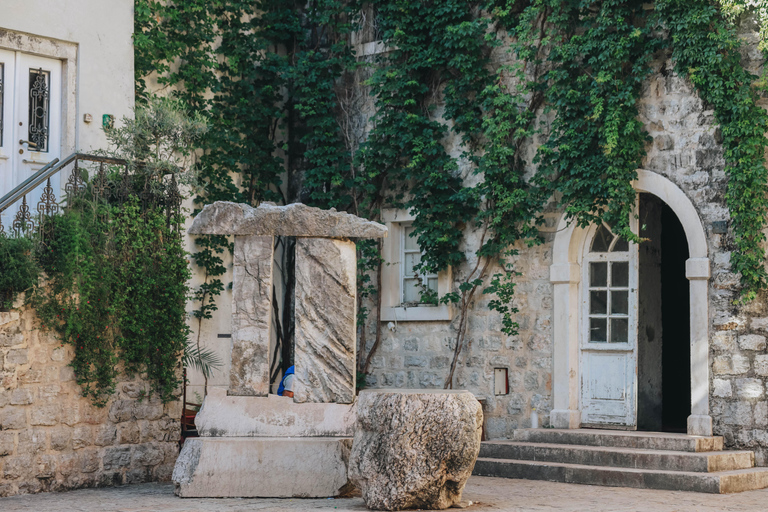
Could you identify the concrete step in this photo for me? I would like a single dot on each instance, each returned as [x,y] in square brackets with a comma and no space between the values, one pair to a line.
[621,439]
[664,460]
[720,482]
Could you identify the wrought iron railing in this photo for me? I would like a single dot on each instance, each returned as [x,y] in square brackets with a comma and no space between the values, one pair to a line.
[90,175]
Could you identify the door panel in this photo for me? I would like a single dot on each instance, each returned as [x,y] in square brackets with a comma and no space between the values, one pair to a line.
[608,346]
[31,124]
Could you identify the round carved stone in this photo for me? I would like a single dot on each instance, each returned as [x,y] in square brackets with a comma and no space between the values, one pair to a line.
[414,448]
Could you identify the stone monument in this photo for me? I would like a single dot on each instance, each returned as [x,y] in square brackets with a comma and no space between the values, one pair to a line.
[253,444]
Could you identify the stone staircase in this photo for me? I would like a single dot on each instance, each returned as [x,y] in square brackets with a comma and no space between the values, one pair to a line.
[646,460]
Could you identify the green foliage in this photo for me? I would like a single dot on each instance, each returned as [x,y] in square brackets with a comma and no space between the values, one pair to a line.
[449,125]
[706,49]
[19,270]
[116,292]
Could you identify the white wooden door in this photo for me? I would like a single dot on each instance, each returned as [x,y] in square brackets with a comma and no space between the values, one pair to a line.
[608,358]
[31,124]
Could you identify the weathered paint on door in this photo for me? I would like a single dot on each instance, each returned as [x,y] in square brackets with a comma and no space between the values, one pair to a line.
[608,348]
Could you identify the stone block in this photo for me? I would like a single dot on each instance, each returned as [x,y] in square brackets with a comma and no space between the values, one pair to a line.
[148,409]
[326,290]
[45,466]
[296,219]
[251,316]
[414,448]
[761,365]
[724,341]
[82,436]
[17,467]
[417,361]
[262,467]
[116,457]
[61,439]
[721,388]
[129,433]
[21,396]
[7,443]
[738,413]
[13,418]
[89,461]
[44,415]
[17,356]
[32,441]
[106,435]
[735,364]
[11,337]
[147,455]
[749,388]
[752,342]
[272,416]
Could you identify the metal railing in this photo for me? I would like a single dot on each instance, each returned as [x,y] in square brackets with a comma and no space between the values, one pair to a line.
[25,220]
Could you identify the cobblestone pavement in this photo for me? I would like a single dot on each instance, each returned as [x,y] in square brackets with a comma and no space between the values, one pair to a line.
[488,494]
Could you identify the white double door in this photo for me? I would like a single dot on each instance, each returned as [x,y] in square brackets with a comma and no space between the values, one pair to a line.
[609,320]
[30,124]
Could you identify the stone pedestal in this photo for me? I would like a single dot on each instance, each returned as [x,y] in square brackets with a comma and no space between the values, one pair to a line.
[326,291]
[251,316]
[414,448]
[262,467]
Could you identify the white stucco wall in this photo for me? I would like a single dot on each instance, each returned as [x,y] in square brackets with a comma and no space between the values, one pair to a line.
[101,31]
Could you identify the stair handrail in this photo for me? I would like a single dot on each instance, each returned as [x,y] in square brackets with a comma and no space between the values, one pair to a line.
[46,172]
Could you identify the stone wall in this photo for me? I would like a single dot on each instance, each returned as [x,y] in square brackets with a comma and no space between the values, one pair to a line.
[51,438]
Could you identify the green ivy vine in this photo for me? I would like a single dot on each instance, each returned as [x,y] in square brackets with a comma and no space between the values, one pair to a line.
[450,124]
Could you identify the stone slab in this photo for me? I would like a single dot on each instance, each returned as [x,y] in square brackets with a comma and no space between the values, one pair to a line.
[263,467]
[296,219]
[251,315]
[326,319]
[272,416]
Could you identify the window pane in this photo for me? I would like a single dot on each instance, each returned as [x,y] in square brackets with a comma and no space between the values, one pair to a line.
[597,330]
[598,303]
[409,261]
[598,274]
[619,330]
[619,304]
[409,242]
[621,245]
[602,239]
[432,283]
[620,273]
[39,85]
[411,290]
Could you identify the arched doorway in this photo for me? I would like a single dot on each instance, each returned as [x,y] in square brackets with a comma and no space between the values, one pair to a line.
[570,290]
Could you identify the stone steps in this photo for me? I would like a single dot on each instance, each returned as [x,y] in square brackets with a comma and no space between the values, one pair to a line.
[621,439]
[665,460]
[720,482]
[651,460]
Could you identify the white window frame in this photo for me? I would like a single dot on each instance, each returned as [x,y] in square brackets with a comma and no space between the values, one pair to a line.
[392,309]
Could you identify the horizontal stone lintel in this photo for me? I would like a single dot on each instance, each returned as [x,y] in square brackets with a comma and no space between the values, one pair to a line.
[296,219]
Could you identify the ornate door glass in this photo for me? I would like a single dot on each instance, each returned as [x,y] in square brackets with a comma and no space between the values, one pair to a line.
[39,114]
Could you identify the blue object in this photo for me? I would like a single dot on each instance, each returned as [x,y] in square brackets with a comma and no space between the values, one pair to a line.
[281,387]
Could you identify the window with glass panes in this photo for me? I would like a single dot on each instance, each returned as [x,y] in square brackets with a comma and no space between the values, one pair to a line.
[414,282]
[608,279]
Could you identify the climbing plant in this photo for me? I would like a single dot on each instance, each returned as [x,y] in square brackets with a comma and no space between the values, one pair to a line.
[450,127]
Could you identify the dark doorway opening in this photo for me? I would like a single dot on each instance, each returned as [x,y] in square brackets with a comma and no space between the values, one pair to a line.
[664,368]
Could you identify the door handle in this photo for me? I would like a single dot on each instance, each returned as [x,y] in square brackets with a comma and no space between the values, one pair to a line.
[30,144]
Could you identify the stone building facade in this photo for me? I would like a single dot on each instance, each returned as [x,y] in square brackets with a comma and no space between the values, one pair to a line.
[52,438]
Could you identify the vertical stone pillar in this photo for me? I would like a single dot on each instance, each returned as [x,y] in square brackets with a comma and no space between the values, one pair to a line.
[697,271]
[326,319]
[251,315]
[565,364]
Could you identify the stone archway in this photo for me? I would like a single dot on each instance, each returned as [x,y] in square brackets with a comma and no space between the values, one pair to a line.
[565,276]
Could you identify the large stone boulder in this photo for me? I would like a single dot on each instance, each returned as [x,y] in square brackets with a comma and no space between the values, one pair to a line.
[414,448]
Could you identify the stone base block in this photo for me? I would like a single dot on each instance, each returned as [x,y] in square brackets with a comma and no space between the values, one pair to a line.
[272,416]
[699,425]
[565,418]
[262,467]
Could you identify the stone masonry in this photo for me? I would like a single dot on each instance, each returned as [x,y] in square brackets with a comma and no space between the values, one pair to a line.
[52,438]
